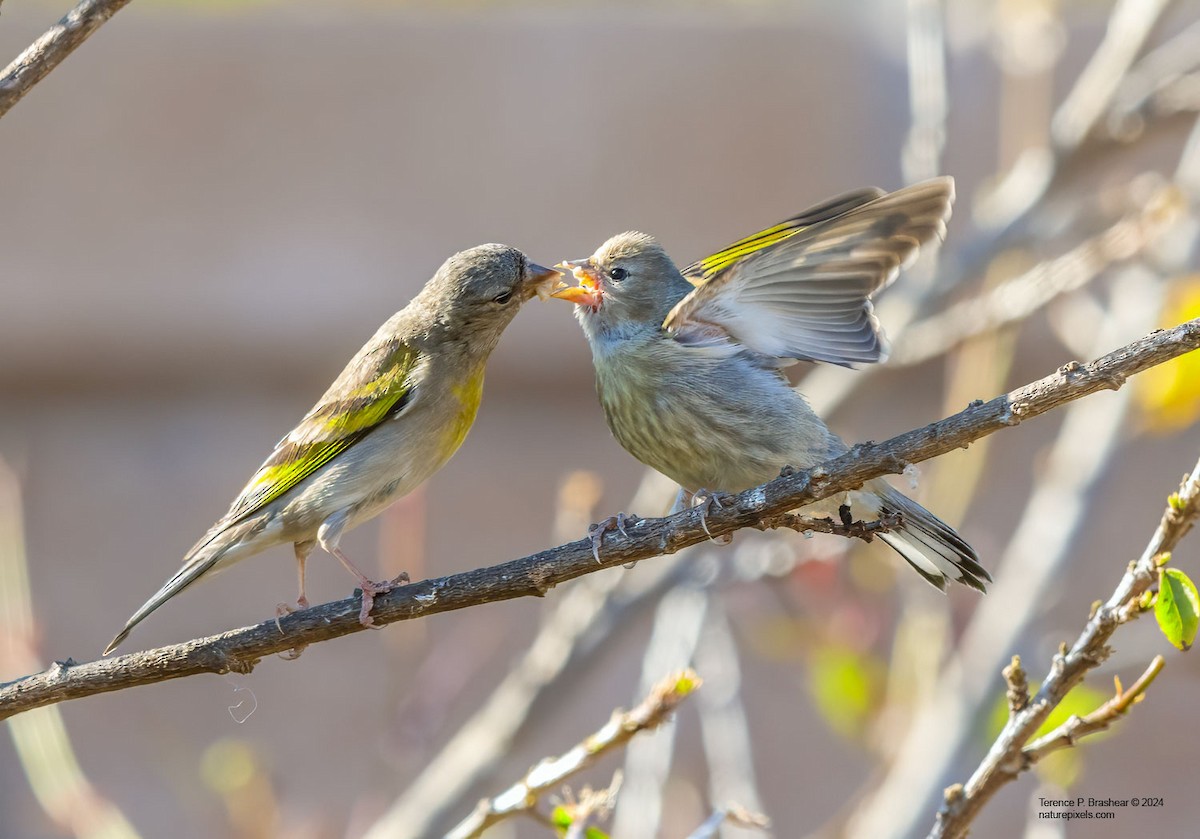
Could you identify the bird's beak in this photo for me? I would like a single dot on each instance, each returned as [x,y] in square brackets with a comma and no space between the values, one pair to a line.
[587,293]
[542,280]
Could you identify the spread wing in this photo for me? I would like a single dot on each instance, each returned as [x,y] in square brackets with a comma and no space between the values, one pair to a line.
[801,289]
[375,386]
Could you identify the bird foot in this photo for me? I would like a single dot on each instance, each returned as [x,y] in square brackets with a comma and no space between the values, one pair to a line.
[707,501]
[369,589]
[618,523]
[282,609]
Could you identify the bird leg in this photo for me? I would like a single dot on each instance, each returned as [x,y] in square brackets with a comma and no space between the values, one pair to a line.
[618,522]
[302,550]
[369,587]
[328,535]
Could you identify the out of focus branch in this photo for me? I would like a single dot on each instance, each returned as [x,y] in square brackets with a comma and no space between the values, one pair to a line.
[552,772]
[40,739]
[1009,756]
[1018,298]
[240,650]
[48,51]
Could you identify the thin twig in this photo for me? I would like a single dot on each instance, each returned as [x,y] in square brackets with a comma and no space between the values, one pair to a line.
[552,772]
[40,738]
[1031,563]
[921,157]
[48,51]
[678,624]
[582,612]
[1018,298]
[1128,27]
[1076,728]
[732,814]
[239,650]
[1007,757]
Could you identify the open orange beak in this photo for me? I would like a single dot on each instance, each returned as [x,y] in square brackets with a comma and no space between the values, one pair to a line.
[587,293]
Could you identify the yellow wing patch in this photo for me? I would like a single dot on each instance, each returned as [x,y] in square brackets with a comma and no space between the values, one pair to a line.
[329,429]
[719,261]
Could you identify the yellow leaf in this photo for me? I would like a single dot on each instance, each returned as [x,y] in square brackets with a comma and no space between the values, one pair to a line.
[1169,394]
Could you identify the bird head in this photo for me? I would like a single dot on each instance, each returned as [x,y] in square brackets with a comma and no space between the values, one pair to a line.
[628,280]
[477,292]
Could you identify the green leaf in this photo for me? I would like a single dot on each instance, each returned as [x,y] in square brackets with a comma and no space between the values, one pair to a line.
[846,687]
[595,833]
[560,816]
[1062,769]
[1177,608]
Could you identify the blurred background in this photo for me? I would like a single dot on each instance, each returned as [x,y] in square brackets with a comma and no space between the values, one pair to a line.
[210,206]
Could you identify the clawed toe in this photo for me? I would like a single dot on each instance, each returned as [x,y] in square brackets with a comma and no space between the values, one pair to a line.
[619,522]
[706,501]
[369,590]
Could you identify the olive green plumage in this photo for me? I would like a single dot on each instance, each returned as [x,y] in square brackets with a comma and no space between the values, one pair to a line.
[393,417]
[689,363]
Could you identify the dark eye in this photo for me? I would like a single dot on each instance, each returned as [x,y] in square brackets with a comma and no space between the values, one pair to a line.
[502,298]
[618,274]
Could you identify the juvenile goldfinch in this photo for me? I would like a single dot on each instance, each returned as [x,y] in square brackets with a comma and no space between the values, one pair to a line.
[395,415]
[688,364]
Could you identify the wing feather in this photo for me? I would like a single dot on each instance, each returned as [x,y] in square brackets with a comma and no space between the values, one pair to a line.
[375,386]
[801,290]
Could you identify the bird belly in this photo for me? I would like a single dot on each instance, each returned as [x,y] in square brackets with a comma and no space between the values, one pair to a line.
[722,425]
[387,464]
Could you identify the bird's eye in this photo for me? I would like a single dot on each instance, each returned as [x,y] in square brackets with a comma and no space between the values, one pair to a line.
[618,274]
[502,298]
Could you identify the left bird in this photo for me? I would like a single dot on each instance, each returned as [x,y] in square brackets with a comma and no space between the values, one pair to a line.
[395,415]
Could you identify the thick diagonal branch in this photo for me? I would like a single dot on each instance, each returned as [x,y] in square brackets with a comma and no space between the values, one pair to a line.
[239,650]
[48,51]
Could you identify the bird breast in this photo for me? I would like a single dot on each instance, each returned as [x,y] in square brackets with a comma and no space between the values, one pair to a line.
[718,422]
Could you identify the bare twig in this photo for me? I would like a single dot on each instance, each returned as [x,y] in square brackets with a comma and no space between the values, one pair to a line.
[928,97]
[40,738]
[593,805]
[48,51]
[678,625]
[724,725]
[552,772]
[1128,27]
[733,814]
[1076,728]
[1155,73]
[1032,562]
[1018,298]
[582,612]
[239,650]
[1008,755]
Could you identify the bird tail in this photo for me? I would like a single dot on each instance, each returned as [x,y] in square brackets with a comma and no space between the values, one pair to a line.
[198,562]
[929,545]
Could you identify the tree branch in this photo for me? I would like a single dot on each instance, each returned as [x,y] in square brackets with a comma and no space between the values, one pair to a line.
[1009,755]
[1076,728]
[239,650]
[522,796]
[48,51]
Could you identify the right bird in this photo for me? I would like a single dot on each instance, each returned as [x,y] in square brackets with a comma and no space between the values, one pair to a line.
[689,364]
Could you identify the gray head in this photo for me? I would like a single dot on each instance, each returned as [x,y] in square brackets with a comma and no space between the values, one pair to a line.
[477,292]
[629,284]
